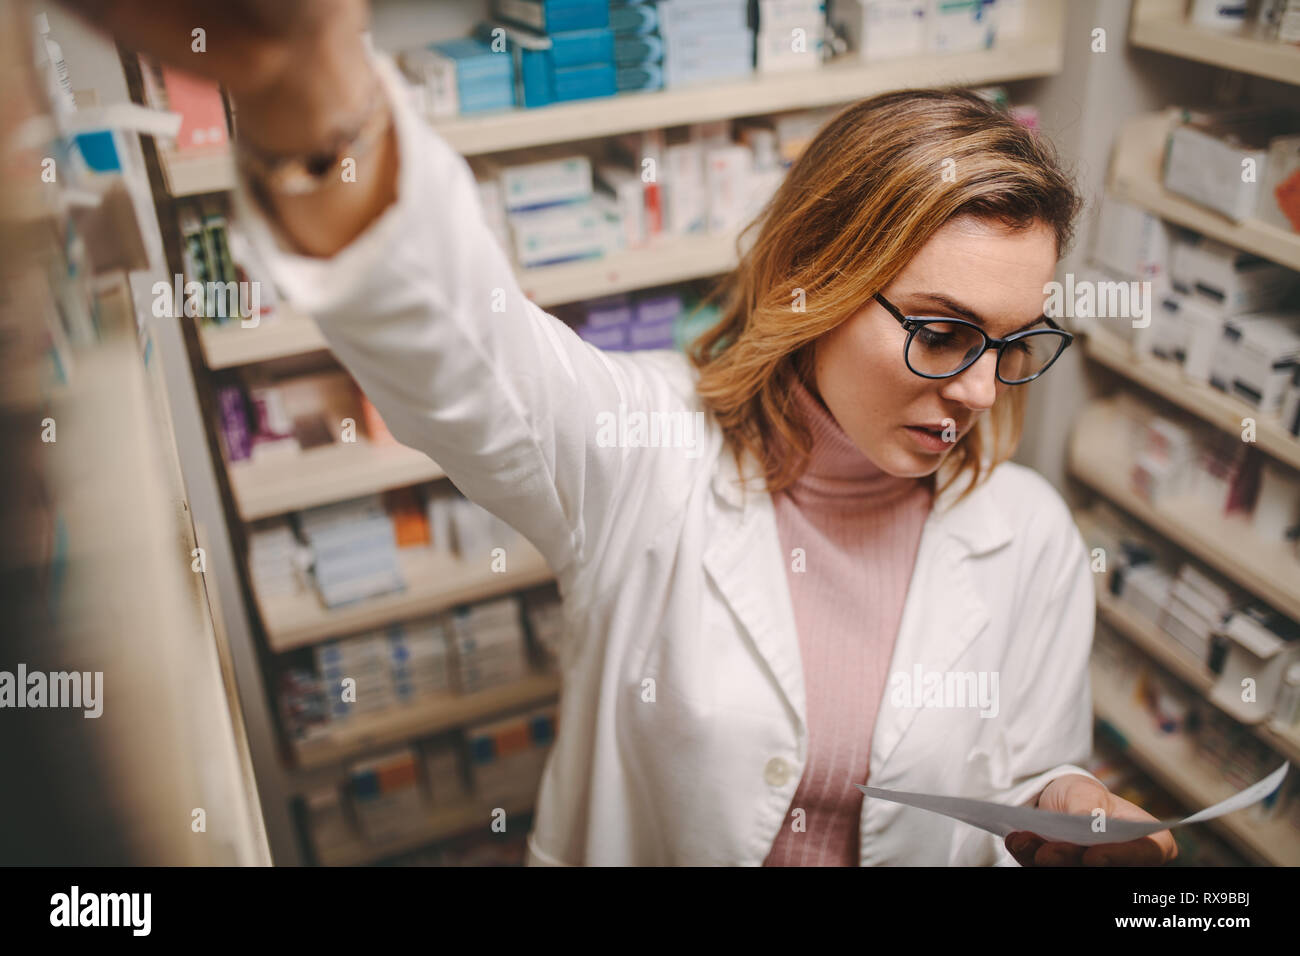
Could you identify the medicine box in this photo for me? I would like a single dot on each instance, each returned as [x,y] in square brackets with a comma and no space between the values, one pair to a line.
[1219,159]
[559,176]
[1279,199]
[1256,357]
[882,29]
[1227,278]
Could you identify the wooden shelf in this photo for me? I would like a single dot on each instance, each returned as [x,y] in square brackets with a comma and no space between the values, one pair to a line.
[1219,409]
[437,824]
[1135,176]
[434,582]
[1175,764]
[321,475]
[1162,26]
[1270,571]
[421,718]
[674,260]
[841,81]
[287,334]
[1184,665]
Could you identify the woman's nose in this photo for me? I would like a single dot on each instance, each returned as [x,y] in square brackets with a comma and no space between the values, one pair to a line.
[975,387]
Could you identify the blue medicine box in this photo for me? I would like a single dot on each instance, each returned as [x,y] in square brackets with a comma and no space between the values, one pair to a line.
[543,84]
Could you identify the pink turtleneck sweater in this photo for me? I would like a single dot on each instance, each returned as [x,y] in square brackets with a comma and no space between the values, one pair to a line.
[858,529]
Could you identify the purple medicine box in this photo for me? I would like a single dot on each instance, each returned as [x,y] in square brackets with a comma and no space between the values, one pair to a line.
[658,308]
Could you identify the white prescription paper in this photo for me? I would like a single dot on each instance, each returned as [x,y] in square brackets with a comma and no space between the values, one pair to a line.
[1066,827]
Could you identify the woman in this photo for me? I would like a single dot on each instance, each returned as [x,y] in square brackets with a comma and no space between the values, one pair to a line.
[782,605]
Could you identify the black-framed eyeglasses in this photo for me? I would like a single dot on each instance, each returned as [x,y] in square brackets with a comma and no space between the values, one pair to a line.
[944,347]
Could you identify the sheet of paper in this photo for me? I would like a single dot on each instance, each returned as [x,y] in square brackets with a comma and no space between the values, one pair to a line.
[1064,827]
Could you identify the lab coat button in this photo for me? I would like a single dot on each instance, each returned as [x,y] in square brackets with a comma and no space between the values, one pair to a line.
[777,772]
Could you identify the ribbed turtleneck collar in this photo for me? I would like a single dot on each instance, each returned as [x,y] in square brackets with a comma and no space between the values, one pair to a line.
[838,474]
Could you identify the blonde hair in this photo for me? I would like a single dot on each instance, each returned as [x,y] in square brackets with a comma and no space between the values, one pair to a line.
[866,194]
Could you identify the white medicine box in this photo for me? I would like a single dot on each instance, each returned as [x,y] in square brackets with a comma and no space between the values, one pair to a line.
[1227,278]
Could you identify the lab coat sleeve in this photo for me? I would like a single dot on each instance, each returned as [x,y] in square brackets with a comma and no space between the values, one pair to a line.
[1052,733]
[423,308]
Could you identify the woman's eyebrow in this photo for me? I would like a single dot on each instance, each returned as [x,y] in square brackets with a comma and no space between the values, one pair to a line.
[966,312]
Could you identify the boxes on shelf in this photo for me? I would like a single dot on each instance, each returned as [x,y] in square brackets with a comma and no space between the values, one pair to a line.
[484,79]
[546,625]
[507,756]
[275,560]
[459,526]
[705,40]
[1225,473]
[1131,241]
[1208,154]
[882,29]
[386,795]
[1198,603]
[1162,468]
[1260,646]
[354,551]
[304,711]
[1145,587]
[791,35]
[960,26]
[489,644]
[1226,278]
[1256,358]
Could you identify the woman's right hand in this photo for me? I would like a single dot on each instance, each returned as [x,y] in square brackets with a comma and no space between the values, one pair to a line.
[293,67]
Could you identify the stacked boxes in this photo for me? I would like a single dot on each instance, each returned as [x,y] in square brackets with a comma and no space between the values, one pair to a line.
[1259,646]
[705,40]
[1198,603]
[625,322]
[1256,358]
[390,666]
[638,47]
[791,35]
[507,756]
[562,51]
[463,76]
[489,644]
[354,552]
[272,558]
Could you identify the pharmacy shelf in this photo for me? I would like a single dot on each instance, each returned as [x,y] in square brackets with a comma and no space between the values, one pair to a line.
[289,333]
[1161,25]
[1165,379]
[434,582]
[1227,544]
[322,475]
[437,824]
[421,718]
[841,81]
[1184,665]
[1135,176]
[1175,765]
[673,260]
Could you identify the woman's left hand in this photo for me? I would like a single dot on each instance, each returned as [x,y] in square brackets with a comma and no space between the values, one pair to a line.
[1083,796]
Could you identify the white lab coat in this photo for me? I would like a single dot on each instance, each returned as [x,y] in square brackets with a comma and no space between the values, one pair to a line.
[670,581]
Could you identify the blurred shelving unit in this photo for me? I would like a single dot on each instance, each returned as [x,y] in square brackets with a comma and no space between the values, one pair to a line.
[1226,544]
[1135,177]
[1174,764]
[1161,25]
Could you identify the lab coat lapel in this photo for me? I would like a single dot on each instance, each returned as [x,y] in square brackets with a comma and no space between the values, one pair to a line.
[943,611]
[750,574]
